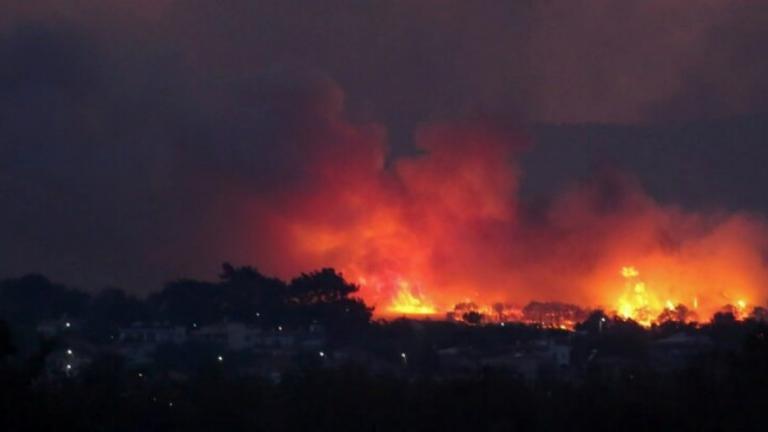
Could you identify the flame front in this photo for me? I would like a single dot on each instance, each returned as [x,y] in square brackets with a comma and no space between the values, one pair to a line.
[643,304]
[405,302]
[421,234]
[638,303]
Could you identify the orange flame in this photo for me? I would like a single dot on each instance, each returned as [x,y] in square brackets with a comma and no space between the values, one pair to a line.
[642,304]
[405,302]
[424,233]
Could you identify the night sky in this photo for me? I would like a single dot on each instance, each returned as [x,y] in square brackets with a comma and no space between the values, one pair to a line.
[136,137]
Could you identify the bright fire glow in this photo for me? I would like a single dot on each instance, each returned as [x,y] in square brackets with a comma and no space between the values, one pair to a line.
[638,303]
[423,234]
[629,272]
[642,304]
[405,302]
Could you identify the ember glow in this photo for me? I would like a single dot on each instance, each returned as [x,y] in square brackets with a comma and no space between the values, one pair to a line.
[405,302]
[423,233]
[640,303]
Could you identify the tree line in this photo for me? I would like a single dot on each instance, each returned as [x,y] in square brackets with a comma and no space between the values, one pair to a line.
[241,294]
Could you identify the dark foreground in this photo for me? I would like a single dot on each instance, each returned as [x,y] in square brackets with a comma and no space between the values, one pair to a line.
[252,353]
[726,391]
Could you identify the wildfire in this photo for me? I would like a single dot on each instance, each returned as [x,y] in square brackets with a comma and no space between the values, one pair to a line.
[637,303]
[629,272]
[405,302]
[643,305]
[641,300]
[422,234]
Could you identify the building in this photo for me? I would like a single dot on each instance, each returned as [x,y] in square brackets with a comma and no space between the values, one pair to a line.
[69,361]
[152,334]
[54,328]
[232,336]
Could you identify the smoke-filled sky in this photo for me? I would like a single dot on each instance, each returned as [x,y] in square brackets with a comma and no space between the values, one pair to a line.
[520,149]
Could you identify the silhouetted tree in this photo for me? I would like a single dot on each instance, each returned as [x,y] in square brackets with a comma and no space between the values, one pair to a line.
[245,295]
[625,338]
[553,314]
[499,308]
[725,329]
[679,314]
[249,296]
[467,312]
[462,307]
[324,296]
[323,286]
[111,309]
[33,298]
[595,322]
[759,313]
[186,301]
[723,319]
[669,327]
[472,317]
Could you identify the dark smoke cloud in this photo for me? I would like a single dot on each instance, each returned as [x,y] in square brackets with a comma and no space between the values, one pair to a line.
[122,167]
[408,61]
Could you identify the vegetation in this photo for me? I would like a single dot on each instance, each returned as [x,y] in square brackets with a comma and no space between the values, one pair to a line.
[614,382]
[241,294]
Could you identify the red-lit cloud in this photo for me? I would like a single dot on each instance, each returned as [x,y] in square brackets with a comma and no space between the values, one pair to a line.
[446,226]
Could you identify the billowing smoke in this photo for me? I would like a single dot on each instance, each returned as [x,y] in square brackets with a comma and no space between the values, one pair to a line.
[445,226]
[141,141]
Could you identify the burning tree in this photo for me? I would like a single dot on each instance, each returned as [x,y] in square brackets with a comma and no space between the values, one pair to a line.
[553,314]
[467,312]
[759,313]
[679,313]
